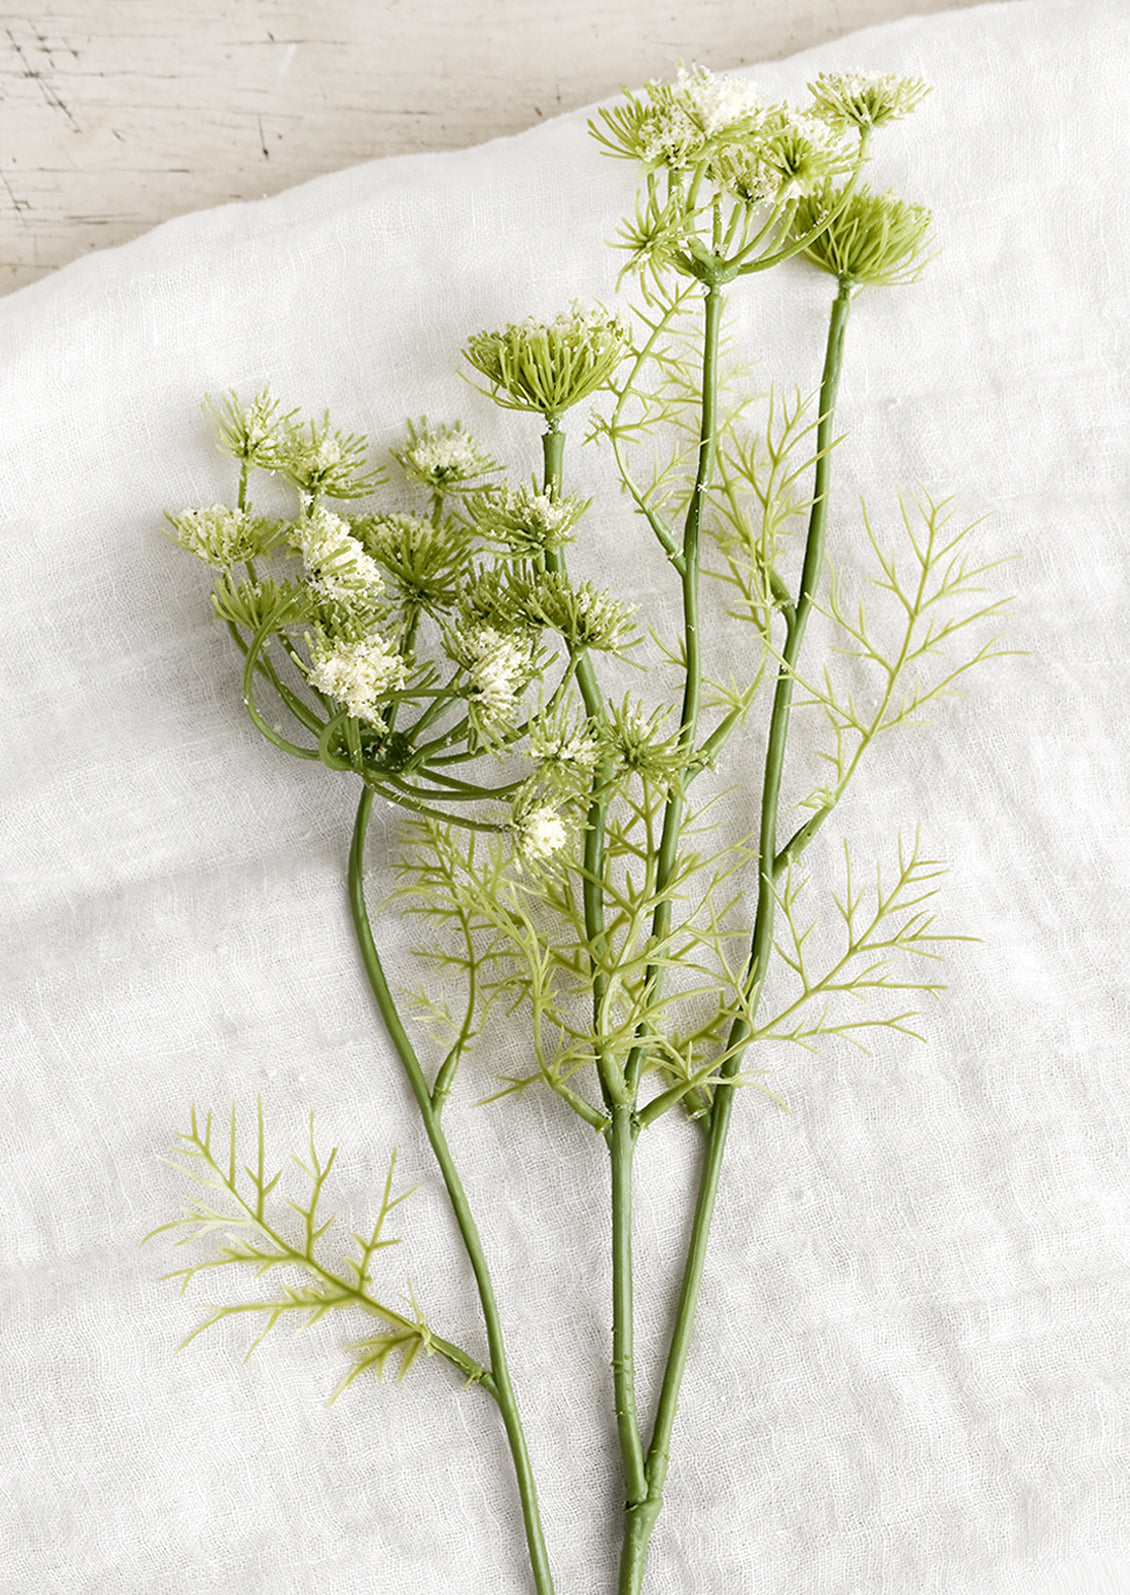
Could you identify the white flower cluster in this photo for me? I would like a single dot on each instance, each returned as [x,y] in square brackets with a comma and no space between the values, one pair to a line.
[312,456]
[393,534]
[527,521]
[218,535]
[358,674]
[258,422]
[567,749]
[442,458]
[864,99]
[336,563]
[498,665]
[792,156]
[585,320]
[718,102]
[538,833]
[697,107]
[600,617]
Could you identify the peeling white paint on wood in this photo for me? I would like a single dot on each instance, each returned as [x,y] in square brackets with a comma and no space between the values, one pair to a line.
[117,114]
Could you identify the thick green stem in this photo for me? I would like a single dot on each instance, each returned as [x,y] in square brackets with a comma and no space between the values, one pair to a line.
[429,1112]
[642,1518]
[621,1142]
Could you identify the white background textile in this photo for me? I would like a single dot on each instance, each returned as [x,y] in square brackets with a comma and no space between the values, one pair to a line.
[911,1372]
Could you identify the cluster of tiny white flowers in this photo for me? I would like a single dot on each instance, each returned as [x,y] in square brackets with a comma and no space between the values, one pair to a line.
[312,455]
[864,99]
[443,457]
[672,135]
[538,833]
[358,673]
[497,665]
[717,101]
[218,535]
[585,318]
[574,749]
[529,518]
[337,564]
[803,155]
[258,421]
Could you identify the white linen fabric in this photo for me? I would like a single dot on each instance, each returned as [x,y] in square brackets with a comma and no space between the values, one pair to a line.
[912,1368]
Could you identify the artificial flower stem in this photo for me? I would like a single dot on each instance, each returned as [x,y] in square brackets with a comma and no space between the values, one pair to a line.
[621,1136]
[673,814]
[499,1371]
[641,1519]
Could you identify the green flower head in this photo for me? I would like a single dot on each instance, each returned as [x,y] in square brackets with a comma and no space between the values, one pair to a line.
[864,99]
[548,366]
[874,238]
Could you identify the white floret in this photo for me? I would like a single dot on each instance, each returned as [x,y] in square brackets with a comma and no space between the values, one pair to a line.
[539,833]
[358,674]
[335,561]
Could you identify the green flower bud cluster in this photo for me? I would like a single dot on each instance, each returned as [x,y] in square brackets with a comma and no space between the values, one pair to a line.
[549,366]
[446,459]
[526,523]
[869,238]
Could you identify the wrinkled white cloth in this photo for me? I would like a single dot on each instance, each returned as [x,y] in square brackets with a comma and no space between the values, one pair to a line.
[912,1368]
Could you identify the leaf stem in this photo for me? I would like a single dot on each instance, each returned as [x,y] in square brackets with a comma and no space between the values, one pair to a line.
[503,1390]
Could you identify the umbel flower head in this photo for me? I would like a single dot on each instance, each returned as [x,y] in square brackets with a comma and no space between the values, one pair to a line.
[792,155]
[358,674]
[524,521]
[222,536]
[675,124]
[499,666]
[336,564]
[246,431]
[875,238]
[864,99]
[548,366]
[538,832]
[319,459]
[446,459]
[584,616]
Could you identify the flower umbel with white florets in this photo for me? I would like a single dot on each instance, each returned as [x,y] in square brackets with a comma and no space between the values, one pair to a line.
[450,666]
[538,833]
[359,674]
[498,666]
[548,366]
[222,536]
[524,522]
[337,565]
[864,100]
[446,459]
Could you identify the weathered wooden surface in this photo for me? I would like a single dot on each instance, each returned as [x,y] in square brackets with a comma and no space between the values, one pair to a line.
[117,114]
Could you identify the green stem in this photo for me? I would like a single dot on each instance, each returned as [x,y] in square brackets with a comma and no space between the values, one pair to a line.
[499,1371]
[673,814]
[641,1519]
[621,1143]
